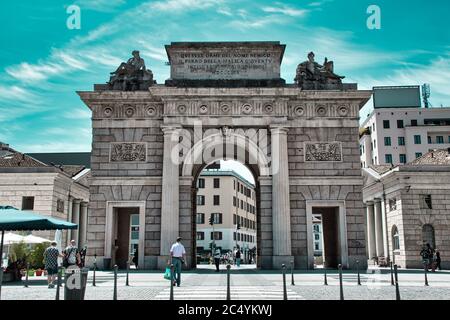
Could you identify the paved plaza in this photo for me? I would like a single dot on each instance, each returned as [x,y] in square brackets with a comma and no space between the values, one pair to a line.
[248,284]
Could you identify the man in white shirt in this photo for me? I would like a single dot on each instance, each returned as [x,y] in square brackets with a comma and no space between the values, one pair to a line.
[177,258]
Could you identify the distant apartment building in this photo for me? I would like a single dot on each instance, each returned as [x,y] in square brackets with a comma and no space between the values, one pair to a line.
[53,185]
[317,232]
[399,130]
[231,201]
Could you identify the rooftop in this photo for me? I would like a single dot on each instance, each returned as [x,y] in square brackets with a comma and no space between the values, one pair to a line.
[435,157]
[230,173]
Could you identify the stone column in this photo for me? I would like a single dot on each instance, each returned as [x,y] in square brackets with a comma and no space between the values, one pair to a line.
[384,227]
[170,191]
[371,230]
[378,229]
[281,217]
[76,219]
[69,218]
[83,223]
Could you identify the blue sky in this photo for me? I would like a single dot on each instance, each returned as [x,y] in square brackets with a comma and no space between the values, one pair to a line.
[43,63]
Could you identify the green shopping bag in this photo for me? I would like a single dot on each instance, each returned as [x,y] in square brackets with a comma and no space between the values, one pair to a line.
[167,274]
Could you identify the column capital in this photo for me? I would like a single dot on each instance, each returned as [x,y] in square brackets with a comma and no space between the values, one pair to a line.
[278,129]
[369,203]
[76,201]
[84,203]
[169,129]
[377,200]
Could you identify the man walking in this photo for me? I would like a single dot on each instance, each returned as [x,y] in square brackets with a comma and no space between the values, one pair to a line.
[217,258]
[51,255]
[238,257]
[177,258]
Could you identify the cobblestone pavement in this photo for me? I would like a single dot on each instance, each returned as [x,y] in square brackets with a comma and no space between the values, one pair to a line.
[247,284]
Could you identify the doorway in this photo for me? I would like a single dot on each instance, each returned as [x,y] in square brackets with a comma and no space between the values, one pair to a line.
[126,239]
[327,239]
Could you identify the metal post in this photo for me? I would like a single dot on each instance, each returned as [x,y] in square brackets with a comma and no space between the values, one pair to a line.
[357,269]
[292,273]
[397,291]
[341,288]
[58,283]
[95,268]
[283,267]
[228,282]
[171,281]
[425,268]
[325,280]
[115,282]
[127,283]
[392,275]
[26,275]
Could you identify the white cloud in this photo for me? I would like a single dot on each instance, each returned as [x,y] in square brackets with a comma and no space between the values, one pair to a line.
[286,10]
[182,5]
[14,93]
[82,113]
[34,72]
[255,23]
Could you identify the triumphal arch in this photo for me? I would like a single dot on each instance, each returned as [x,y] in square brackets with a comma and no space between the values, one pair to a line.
[225,100]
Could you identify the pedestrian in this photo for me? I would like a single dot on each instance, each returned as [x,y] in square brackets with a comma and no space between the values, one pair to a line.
[71,255]
[238,257]
[217,258]
[51,255]
[135,258]
[177,258]
[438,260]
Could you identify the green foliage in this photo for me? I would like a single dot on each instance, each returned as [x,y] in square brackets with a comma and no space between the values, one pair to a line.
[19,251]
[37,255]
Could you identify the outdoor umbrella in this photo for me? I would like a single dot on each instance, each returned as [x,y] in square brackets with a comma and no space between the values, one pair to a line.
[31,239]
[14,219]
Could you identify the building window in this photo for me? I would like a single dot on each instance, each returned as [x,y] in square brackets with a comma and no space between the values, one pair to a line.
[234,236]
[425,201]
[200,235]
[374,143]
[216,200]
[316,228]
[217,218]
[395,238]
[428,235]
[316,236]
[242,205]
[392,204]
[388,158]
[373,127]
[375,160]
[387,141]
[417,139]
[429,139]
[60,205]
[316,246]
[234,184]
[440,139]
[418,154]
[200,200]
[401,141]
[448,139]
[402,158]
[217,235]
[27,203]
[386,124]
[413,123]
[399,124]
[216,183]
[200,219]
[201,183]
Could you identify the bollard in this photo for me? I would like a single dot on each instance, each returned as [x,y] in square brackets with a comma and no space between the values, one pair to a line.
[26,276]
[58,283]
[228,282]
[171,281]
[95,268]
[425,268]
[292,274]
[357,269]
[115,282]
[397,291]
[341,288]
[325,280]
[127,283]
[392,275]
[283,267]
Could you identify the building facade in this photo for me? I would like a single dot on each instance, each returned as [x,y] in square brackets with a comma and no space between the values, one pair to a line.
[58,191]
[299,140]
[400,135]
[231,200]
[408,206]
